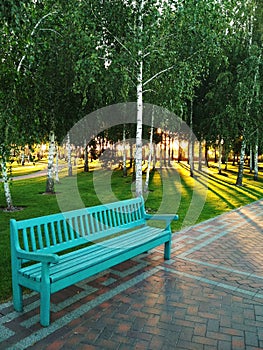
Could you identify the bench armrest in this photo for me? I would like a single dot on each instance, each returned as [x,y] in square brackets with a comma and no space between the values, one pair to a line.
[164,217]
[40,257]
[168,218]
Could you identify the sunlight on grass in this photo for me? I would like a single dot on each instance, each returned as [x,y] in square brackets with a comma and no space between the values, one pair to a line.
[19,170]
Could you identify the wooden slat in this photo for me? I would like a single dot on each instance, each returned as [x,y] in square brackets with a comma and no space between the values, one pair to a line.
[87,226]
[65,230]
[105,219]
[101,221]
[129,216]
[75,221]
[58,226]
[25,239]
[91,220]
[46,232]
[113,218]
[99,225]
[32,239]
[110,218]
[39,237]
[71,231]
[53,234]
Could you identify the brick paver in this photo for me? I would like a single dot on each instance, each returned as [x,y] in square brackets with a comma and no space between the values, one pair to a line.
[208,296]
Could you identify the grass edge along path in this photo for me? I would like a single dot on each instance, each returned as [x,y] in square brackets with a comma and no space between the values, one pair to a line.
[216,193]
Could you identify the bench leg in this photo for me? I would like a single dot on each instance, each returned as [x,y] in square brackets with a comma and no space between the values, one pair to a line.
[17,297]
[45,293]
[167,250]
[45,308]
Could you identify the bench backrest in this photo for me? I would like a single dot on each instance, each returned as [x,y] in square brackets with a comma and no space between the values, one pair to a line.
[57,232]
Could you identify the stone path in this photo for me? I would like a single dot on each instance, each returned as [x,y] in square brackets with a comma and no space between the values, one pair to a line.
[208,296]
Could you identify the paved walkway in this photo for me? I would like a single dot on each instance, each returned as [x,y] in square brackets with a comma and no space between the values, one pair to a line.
[208,296]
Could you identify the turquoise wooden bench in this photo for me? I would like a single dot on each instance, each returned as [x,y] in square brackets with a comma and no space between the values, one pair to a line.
[52,252]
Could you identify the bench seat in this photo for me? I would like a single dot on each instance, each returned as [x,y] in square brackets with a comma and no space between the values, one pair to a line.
[95,257]
[53,252]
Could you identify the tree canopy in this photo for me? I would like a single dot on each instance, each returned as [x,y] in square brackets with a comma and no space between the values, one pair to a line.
[201,59]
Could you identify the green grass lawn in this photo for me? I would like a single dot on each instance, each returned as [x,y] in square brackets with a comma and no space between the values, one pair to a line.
[170,190]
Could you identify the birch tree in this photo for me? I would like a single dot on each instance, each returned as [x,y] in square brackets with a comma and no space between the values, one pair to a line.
[19,31]
[131,39]
[50,165]
[248,85]
[229,98]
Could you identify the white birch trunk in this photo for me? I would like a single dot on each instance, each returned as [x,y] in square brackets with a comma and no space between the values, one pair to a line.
[200,156]
[86,157]
[250,159]
[124,157]
[7,191]
[239,181]
[56,168]
[51,151]
[23,158]
[69,156]
[220,157]
[179,149]
[150,155]
[161,153]
[154,155]
[256,158]
[138,155]
[190,151]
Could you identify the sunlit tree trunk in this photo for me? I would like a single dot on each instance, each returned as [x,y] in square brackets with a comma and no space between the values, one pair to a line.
[154,155]
[164,149]
[220,156]
[138,156]
[179,158]
[206,155]
[56,171]
[5,179]
[146,185]
[51,151]
[86,157]
[169,150]
[250,159]
[256,158]
[190,151]
[200,156]
[124,157]
[239,181]
[69,156]
[131,154]
[23,158]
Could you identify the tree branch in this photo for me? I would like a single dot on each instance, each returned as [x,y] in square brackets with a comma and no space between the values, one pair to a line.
[50,30]
[32,34]
[115,37]
[148,90]
[157,74]
[120,42]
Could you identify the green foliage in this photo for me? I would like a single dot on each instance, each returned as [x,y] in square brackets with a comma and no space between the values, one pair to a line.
[62,59]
